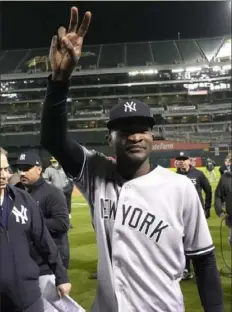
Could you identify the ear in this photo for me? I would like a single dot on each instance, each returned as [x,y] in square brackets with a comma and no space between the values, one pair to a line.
[109,139]
[40,170]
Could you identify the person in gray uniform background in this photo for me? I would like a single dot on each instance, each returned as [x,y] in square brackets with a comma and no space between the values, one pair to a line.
[56,176]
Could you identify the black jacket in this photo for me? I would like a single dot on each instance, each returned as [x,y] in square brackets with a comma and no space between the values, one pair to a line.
[53,206]
[223,169]
[18,271]
[201,183]
[69,188]
[223,194]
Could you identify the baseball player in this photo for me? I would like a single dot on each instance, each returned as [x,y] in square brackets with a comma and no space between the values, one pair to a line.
[198,178]
[200,182]
[141,214]
[223,195]
[56,176]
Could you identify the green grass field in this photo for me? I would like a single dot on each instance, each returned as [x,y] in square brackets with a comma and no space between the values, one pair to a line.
[84,259]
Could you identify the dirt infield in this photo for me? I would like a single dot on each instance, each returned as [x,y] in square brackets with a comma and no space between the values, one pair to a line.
[76,192]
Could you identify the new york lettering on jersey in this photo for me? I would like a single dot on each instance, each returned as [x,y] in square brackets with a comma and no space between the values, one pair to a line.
[137,229]
[135,218]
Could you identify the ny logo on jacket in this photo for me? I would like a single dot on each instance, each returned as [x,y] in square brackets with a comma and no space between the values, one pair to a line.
[21,216]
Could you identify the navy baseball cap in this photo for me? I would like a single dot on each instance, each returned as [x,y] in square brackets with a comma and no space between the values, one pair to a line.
[29,158]
[130,109]
[182,156]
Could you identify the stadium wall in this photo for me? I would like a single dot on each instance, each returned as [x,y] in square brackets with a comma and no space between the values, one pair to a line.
[157,157]
[33,139]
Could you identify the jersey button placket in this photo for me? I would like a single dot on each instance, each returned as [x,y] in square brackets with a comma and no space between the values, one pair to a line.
[126,187]
[119,286]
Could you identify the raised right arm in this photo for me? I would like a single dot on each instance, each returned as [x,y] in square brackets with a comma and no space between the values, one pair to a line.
[65,52]
[54,129]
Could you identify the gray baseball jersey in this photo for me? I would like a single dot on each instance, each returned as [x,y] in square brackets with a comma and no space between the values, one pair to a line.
[144,228]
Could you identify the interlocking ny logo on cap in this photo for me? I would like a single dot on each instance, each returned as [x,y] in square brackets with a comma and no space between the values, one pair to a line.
[131,107]
[22,157]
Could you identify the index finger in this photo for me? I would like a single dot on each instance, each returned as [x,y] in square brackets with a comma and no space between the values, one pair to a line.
[84,25]
[73,23]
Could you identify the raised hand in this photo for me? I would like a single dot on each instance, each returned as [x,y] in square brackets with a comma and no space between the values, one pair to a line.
[65,49]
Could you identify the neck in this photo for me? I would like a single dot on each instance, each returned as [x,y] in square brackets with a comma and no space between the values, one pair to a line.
[2,192]
[133,171]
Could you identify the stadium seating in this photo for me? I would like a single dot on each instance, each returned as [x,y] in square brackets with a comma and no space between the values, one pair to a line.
[187,84]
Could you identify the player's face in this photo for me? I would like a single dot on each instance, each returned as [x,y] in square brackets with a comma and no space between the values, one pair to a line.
[227,162]
[4,171]
[55,164]
[29,174]
[184,164]
[132,141]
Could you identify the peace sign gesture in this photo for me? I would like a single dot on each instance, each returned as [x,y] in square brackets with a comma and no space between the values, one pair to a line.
[65,49]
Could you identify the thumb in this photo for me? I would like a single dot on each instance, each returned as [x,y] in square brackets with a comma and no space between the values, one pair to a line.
[53,47]
[59,292]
